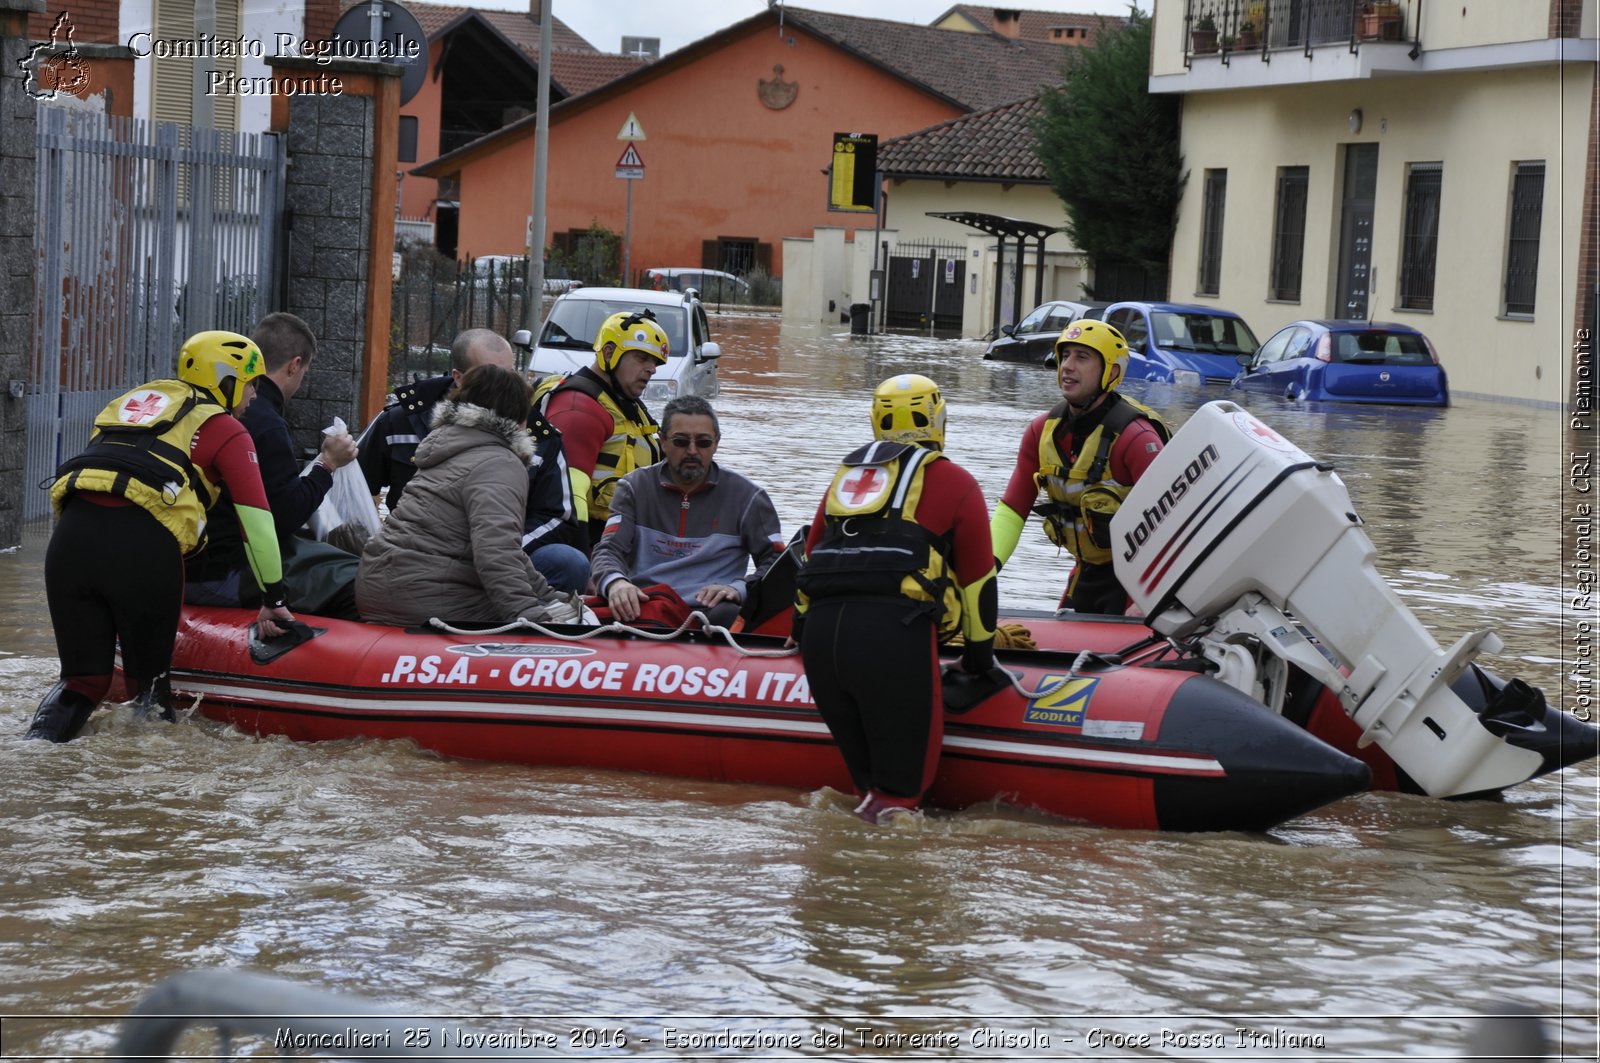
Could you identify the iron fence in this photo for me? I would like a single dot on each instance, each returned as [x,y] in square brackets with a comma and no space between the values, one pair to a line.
[147,233]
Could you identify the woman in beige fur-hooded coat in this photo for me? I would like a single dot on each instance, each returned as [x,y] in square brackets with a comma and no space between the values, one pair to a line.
[452,548]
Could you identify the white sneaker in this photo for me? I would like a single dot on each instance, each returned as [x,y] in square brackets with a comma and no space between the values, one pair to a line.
[568,609]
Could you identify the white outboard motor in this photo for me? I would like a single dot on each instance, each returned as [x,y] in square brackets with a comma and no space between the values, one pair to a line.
[1235,535]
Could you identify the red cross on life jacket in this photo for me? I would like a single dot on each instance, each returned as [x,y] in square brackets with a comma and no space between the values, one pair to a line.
[141,408]
[861,483]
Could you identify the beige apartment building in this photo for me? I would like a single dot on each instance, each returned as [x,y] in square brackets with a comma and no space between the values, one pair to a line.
[1420,161]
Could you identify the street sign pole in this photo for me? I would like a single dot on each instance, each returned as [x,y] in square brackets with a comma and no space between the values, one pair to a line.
[630,168]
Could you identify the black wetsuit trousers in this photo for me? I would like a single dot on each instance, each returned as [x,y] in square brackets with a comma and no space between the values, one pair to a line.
[1094,589]
[112,574]
[873,669]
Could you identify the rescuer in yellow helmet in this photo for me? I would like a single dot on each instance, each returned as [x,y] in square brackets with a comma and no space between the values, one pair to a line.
[1084,453]
[898,559]
[605,430]
[130,507]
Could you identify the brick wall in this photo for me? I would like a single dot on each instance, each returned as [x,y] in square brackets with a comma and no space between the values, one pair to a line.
[320,18]
[1566,16]
[93,21]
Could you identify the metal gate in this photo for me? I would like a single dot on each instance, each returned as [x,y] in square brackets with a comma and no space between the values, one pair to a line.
[146,234]
[925,285]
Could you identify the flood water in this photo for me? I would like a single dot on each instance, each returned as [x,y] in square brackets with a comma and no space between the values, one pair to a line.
[509,899]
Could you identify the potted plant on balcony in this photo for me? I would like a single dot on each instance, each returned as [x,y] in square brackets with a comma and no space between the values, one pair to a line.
[1203,36]
[1248,37]
[1379,21]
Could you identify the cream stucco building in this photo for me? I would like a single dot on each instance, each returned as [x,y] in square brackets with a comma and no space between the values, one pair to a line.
[1438,169]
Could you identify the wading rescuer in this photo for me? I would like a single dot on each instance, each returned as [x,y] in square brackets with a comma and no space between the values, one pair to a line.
[1084,453]
[130,507]
[898,559]
[605,430]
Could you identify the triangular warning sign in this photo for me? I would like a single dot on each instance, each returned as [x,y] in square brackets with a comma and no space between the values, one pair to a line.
[630,157]
[631,129]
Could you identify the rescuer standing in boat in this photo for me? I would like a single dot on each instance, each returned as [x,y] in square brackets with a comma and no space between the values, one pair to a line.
[1085,452]
[130,507]
[606,431]
[898,558]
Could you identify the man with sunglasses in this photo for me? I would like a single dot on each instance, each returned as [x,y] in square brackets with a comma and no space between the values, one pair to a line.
[686,522]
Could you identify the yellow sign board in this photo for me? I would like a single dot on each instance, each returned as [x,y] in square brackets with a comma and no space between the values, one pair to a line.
[853,176]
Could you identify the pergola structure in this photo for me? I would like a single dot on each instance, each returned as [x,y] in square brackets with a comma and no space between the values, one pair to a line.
[1000,228]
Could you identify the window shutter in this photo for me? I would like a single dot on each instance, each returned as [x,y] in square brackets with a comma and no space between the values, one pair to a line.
[172,86]
[709,258]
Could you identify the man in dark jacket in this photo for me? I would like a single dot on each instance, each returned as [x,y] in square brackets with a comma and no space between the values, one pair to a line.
[389,443]
[552,537]
[213,576]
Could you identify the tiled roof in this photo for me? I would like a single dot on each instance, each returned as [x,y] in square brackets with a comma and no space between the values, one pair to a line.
[578,72]
[973,70]
[1037,25]
[992,145]
[515,26]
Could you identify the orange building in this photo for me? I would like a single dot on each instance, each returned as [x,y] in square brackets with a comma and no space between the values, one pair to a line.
[738,133]
[483,74]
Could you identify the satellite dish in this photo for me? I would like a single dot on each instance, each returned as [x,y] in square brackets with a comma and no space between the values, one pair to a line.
[402,41]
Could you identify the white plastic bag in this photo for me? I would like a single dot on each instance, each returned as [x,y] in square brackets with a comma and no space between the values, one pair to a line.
[347,501]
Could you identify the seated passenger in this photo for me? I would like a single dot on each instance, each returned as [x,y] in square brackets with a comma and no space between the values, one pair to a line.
[686,522]
[453,550]
[551,533]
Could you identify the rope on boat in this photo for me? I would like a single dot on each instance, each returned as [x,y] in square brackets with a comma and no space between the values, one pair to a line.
[616,627]
[1092,660]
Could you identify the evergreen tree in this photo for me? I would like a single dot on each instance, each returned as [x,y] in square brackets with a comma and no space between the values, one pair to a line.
[1111,150]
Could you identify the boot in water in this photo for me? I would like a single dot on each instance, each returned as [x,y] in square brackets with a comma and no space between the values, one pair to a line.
[154,700]
[61,714]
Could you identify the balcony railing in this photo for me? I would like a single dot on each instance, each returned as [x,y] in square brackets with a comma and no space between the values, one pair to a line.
[1230,29]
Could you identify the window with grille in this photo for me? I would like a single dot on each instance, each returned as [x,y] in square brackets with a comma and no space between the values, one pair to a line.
[1289,232]
[1420,250]
[1522,243]
[1216,191]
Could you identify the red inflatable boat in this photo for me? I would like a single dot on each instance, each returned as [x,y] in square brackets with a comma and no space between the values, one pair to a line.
[1149,747]
[1259,685]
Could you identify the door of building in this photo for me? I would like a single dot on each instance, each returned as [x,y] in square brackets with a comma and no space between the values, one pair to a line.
[1360,184]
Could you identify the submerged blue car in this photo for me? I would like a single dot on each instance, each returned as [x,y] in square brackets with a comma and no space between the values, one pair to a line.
[1348,361]
[1181,342]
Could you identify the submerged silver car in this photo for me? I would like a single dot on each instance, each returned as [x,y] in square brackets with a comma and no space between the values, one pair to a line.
[566,343]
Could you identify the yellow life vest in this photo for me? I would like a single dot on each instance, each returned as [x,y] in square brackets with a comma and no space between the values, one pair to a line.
[634,442]
[872,546]
[1083,497]
[139,450]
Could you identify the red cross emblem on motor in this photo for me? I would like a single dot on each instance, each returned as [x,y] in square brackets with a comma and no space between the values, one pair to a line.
[1261,434]
[862,486]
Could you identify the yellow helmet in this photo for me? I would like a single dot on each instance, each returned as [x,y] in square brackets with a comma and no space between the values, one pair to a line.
[909,409]
[220,364]
[1105,341]
[634,330]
